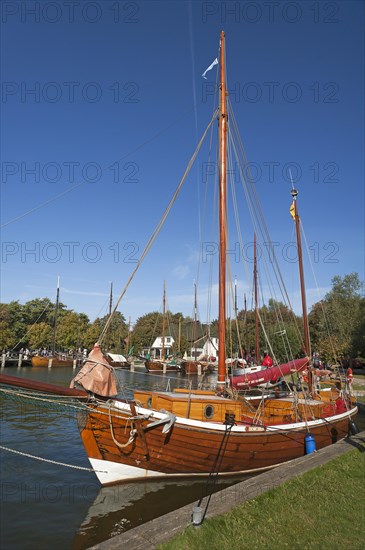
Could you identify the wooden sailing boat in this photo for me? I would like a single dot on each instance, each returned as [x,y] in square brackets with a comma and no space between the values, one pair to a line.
[117,360]
[253,374]
[187,433]
[161,365]
[54,359]
[191,365]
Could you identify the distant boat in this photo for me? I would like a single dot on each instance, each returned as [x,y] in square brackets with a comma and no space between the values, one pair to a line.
[55,359]
[162,364]
[117,360]
[192,365]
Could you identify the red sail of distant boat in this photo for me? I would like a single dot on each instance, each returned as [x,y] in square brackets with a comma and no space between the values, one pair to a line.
[268,375]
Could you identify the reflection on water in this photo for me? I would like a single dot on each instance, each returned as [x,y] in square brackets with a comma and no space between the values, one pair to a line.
[119,508]
[59,507]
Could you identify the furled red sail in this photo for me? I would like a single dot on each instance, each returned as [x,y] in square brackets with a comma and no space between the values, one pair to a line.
[96,375]
[270,374]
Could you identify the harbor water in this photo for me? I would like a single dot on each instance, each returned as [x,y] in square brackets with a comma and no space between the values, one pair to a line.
[48,505]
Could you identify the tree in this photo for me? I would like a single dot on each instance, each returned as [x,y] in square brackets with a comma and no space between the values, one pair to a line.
[40,335]
[117,333]
[12,315]
[147,328]
[71,328]
[7,336]
[339,332]
[40,310]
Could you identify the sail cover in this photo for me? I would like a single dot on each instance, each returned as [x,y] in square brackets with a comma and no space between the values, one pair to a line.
[96,375]
[117,358]
[268,375]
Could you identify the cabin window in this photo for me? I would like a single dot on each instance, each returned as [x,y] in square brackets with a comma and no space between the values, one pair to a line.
[149,402]
[209,411]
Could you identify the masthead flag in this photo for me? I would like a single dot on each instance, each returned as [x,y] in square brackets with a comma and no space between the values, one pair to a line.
[215,62]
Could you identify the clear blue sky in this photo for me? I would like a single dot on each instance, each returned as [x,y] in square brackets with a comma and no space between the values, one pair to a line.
[109,95]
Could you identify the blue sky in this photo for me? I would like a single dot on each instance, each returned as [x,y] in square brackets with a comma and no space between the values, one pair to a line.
[102,106]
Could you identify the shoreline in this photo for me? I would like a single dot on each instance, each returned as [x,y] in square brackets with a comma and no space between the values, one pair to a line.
[160,530]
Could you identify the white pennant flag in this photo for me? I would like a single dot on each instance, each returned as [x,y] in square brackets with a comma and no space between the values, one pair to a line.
[215,62]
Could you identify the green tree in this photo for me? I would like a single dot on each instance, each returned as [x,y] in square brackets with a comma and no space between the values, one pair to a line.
[145,330]
[12,315]
[40,335]
[71,328]
[7,336]
[337,323]
[115,338]
[40,310]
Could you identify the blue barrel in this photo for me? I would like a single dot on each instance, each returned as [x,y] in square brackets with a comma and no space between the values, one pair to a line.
[310,444]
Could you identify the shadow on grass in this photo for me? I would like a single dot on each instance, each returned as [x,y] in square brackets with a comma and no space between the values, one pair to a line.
[358,442]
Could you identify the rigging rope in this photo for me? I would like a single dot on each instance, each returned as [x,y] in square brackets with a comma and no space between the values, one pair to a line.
[30,328]
[157,229]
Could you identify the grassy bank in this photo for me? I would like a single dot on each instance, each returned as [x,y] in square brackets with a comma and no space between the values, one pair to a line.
[323,508]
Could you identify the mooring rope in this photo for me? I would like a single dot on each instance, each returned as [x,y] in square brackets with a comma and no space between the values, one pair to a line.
[21,453]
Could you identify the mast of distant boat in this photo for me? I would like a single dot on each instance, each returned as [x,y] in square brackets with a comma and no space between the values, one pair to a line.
[257,351]
[195,321]
[129,336]
[163,320]
[296,217]
[56,315]
[222,216]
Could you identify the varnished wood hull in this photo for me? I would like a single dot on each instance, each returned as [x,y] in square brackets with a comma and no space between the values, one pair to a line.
[39,361]
[190,447]
[156,366]
[191,367]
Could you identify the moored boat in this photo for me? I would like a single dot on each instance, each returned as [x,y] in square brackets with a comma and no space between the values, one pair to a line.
[56,360]
[188,433]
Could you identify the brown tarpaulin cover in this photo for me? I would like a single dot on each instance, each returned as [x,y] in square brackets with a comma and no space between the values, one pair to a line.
[96,375]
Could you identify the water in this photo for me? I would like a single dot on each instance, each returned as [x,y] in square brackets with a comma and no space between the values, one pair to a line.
[46,505]
[49,506]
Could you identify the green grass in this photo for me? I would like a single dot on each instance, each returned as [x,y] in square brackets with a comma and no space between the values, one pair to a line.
[321,509]
[358,387]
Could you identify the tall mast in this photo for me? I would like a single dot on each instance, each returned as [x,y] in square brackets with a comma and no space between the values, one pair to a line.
[109,335]
[179,336]
[56,315]
[111,298]
[295,215]
[257,351]
[163,320]
[129,335]
[222,215]
[195,320]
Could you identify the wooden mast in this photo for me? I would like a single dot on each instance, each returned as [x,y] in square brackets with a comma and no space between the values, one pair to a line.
[111,298]
[222,215]
[257,351]
[129,335]
[55,316]
[294,194]
[195,321]
[107,343]
[163,321]
[179,336]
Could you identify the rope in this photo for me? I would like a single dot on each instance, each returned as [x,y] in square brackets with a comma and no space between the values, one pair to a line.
[214,472]
[132,434]
[157,229]
[51,461]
